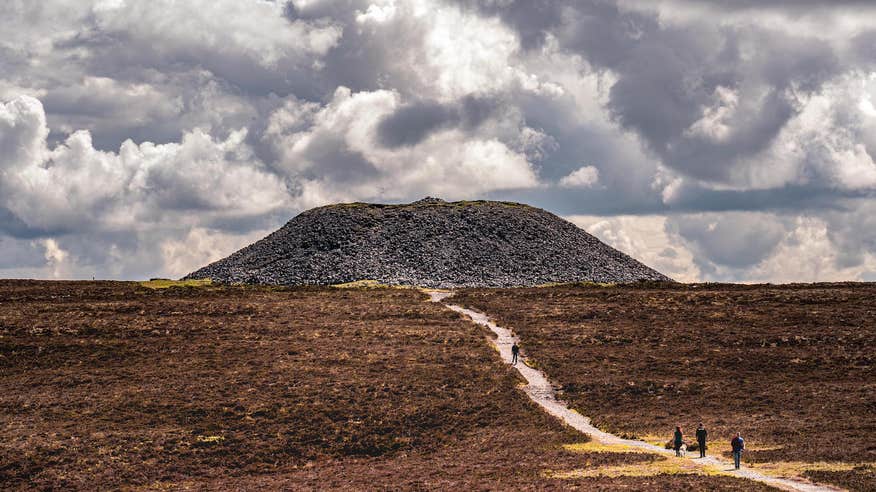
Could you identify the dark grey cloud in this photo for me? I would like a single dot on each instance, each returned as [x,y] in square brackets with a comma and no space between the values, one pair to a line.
[733,240]
[413,123]
[668,74]
[532,19]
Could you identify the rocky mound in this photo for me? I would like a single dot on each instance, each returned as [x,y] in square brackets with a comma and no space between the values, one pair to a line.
[430,243]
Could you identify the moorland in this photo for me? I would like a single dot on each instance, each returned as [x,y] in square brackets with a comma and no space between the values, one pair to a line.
[169,386]
[790,367]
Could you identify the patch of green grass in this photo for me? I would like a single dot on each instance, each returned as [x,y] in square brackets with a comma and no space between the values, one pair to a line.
[164,283]
[210,439]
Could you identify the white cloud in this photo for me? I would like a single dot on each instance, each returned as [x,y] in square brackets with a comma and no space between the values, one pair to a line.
[202,246]
[56,258]
[465,53]
[254,29]
[377,12]
[76,186]
[147,189]
[645,239]
[715,123]
[583,177]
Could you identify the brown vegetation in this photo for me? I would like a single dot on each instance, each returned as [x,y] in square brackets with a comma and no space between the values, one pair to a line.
[117,385]
[791,367]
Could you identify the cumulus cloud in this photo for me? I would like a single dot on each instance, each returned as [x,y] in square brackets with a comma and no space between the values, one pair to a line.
[141,139]
[646,239]
[49,189]
[705,247]
[583,177]
[74,188]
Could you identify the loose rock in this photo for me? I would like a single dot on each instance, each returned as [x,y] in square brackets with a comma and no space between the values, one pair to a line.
[429,243]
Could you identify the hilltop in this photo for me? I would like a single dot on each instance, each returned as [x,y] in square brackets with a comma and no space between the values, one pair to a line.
[430,243]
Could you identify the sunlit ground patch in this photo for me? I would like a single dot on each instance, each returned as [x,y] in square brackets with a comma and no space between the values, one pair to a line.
[655,439]
[764,447]
[673,466]
[598,447]
[798,468]
[210,439]
[667,466]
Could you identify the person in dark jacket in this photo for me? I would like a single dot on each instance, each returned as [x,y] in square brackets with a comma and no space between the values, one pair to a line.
[702,434]
[738,445]
[677,441]
[515,350]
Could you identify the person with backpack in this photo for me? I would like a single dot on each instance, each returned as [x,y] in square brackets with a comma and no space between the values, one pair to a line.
[515,350]
[702,434]
[738,446]
[677,440]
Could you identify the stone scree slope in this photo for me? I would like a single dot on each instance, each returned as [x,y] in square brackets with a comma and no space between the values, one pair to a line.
[429,243]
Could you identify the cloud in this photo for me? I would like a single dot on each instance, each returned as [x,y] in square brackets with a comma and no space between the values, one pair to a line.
[75,186]
[703,247]
[130,129]
[412,123]
[338,152]
[644,238]
[201,246]
[583,177]
[737,240]
[146,189]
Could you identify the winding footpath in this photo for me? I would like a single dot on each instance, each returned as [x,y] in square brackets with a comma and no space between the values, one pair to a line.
[541,392]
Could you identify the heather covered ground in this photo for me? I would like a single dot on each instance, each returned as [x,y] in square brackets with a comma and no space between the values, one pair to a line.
[109,385]
[791,367]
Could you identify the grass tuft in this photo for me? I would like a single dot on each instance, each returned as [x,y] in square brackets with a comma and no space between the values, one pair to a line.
[798,468]
[598,447]
[669,466]
[164,283]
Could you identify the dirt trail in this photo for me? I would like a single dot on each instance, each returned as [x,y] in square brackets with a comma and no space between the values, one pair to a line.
[540,391]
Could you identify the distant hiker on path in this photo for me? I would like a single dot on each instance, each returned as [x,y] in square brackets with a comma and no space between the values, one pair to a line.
[738,445]
[515,350]
[702,434]
[677,441]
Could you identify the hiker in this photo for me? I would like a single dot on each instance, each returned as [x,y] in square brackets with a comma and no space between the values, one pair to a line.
[514,351]
[738,445]
[702,433]
[677,441]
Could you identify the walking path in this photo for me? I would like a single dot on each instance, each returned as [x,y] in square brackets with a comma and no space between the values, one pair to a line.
[540,391]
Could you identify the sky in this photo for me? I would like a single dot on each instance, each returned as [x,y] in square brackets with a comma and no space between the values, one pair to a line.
[715,140]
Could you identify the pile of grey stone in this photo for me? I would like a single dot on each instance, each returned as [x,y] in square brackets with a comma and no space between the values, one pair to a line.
[429,243]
